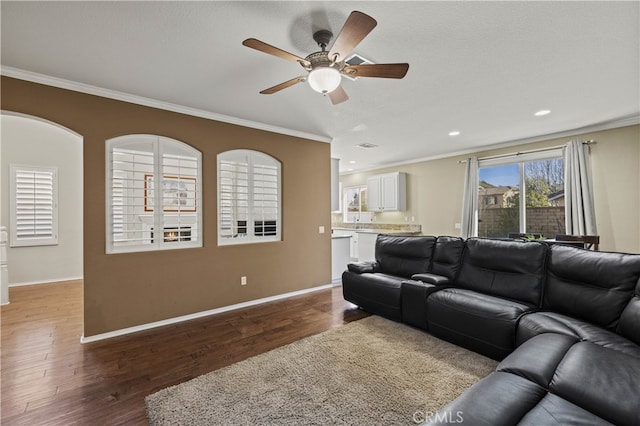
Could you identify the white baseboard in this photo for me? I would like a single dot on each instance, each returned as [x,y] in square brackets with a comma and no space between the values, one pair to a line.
[188,317]
[56,280]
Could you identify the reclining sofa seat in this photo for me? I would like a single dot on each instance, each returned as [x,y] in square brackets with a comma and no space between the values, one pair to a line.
[498,282]
[593,296]
[376,286]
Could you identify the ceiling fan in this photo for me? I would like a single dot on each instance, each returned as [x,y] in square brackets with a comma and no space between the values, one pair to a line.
[325,68]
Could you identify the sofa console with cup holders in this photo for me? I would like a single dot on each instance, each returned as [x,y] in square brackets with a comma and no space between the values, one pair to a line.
[563,321]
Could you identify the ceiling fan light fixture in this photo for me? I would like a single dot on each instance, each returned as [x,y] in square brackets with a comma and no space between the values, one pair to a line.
[324,79]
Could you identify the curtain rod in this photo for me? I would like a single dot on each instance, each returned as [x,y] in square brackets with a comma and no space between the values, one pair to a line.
[530,151]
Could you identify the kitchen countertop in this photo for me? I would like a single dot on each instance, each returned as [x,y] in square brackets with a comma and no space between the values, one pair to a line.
[385,231]
[340,236]
[381,231]
[378,228]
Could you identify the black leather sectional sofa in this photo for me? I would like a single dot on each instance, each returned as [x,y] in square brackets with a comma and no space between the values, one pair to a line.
[564,321]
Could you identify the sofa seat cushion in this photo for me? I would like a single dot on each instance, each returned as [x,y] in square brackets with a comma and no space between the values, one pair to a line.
[538,358]
[537,323]
[503,399]
[480,322]
[376,293]
[498,399]
[602,380]
[553,410]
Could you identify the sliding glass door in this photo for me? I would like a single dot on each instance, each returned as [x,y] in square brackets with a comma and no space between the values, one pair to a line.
[504,208]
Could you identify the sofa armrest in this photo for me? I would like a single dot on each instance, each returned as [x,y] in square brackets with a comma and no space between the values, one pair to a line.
[431,279]
[363,267]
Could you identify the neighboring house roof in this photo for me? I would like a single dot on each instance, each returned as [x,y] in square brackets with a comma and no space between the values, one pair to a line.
[497,190]
[558,195]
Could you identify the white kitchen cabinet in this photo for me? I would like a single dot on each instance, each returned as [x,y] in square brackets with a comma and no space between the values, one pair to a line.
[339,256]
[353,241]
[367,246]
[353,246]
[387,192]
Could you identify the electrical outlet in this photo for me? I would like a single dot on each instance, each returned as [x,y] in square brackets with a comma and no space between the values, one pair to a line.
[457,226]
[243,280]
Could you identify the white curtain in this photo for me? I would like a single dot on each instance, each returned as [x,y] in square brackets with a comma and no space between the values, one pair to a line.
[578,190]
[469,226]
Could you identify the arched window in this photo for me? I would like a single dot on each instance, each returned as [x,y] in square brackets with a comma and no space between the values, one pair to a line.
[249,197]
[153,194]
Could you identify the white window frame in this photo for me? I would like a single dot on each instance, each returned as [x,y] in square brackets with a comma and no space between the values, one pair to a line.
[254,157]
[520,159]
[158,216]
[19,236]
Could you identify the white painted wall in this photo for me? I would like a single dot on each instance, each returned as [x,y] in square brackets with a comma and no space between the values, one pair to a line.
[28,141]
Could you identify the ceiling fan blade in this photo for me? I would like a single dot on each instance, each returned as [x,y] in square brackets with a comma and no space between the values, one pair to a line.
[272,50]
[338,95]
[356,28]
[284,85]
[377,70]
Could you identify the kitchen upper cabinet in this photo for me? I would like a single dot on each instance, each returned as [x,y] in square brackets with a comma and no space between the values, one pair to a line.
[387,192]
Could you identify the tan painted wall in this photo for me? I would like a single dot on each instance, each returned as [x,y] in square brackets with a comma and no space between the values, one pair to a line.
[434,188]
[124,290]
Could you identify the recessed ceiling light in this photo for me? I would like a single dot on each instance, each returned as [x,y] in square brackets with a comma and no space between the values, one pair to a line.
[454,133]
[366,145]
[352,162]
[542,112]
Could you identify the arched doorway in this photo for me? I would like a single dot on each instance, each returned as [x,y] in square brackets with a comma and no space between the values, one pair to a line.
[28,141]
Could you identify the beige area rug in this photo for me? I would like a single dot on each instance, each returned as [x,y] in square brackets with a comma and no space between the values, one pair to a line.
[372,371]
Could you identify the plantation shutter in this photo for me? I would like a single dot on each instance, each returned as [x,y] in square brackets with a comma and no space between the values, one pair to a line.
[265,200]
[153,194]
[234,198]
[131,189]
[34,216]
[117,198]
[179,194]
[248,197]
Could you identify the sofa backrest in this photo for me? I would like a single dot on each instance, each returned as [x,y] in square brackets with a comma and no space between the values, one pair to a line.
[592,286]
[629,324]
[511,269]
[447,256]
[404,256]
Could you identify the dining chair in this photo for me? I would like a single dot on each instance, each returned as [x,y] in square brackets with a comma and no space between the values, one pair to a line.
[591,242]
[523,235]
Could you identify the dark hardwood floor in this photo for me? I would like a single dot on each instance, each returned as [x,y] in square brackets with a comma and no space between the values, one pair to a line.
[49,378]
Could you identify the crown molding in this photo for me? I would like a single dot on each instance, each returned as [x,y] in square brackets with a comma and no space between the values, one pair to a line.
[153,103]
[631,120]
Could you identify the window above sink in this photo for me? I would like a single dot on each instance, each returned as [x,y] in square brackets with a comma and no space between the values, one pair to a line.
[355,205]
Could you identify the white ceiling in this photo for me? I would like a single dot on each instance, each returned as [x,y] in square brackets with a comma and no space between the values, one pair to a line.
[483,68]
